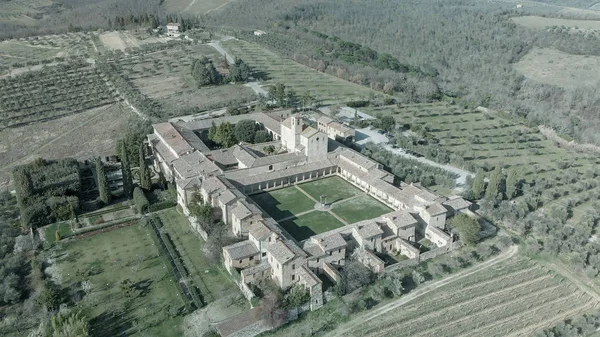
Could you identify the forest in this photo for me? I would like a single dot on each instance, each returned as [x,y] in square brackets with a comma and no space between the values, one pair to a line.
[470,46]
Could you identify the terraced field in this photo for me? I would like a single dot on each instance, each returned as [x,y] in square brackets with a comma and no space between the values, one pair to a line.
[476,139]
[514,298]
[302,79]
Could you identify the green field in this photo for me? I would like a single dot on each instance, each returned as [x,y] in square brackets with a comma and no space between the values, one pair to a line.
[360,208]
[213,280]
[283,203]
[310,224]
[335,188]
[296,214]
[107,259]
[194,6]
[274,68]
[64,228]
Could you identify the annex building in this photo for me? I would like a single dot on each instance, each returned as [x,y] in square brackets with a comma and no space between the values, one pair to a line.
[228,178]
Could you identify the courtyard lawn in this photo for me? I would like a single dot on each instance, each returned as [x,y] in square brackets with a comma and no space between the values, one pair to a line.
[335,188]
[360,208]
[212,280]
[64,228]
[284,202]
[310,224]
[107,259]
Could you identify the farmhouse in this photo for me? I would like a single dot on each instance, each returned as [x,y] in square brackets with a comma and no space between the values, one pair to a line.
[335,130]
[173,29]
[227,178]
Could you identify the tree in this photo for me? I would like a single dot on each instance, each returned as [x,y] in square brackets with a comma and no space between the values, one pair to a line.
[49,297]
[296,297]
[205,73]
[245,131]
[127,288]
[57,236]
[272,310]
[277,94]
[417,277]
[291,99]
[103,188]
[387,123]
[226,135]
[478,183]
[467,228]
[145,175]
[126,170]
[239,71]
[140,200]
[493,187]
[269,149]
[71,324]
[262,136]
[512,182]
[213,133]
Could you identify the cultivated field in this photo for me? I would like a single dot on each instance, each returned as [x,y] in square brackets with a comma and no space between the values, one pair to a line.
[539,22]
[166,76]
[105,260]
[21,11]
[194,6]
[294,208]
[514,298]
[83,135]
[487,139]
[276,69]
[561,69]
[121,40]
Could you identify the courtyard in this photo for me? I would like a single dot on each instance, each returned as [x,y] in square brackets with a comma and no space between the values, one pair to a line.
[294,207]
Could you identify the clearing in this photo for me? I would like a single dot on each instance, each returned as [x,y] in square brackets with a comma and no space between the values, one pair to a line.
[273,69]
[194,6]
[550,66]
[515,298]
[539,22]
[105,260]
[121,40]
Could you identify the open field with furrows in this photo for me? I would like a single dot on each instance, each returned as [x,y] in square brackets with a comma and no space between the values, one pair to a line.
[83,135]
[479,139]
[194,6]
[514,298]
[273,68]
[105,260]
[539,22]
[51,93]
[557,68]
[294,206]
[166,76]
[24,51]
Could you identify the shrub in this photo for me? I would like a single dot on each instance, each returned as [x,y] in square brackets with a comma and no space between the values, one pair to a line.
[140,200]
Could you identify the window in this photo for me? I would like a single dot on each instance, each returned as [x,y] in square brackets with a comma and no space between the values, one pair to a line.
[294,266]
[340,250]
[293,277]
[251,258]
[241,261]
[270,167]
[317,260]
[264,254]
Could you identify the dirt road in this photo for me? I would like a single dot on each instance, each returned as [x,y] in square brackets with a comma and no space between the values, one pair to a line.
[347,328]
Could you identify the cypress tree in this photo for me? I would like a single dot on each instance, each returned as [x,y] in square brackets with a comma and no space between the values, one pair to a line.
[145,178]
[126,170]
[493,187]
[479,183]
[511,184]
[103,188]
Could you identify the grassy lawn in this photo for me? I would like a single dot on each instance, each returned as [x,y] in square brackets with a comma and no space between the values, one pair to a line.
[360,208]
[310,224]
[64,228]
[335,188]
[109,258]
[213,280]
[284,202]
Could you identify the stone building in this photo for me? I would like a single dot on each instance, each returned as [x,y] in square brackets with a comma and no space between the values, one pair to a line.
[225,177]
